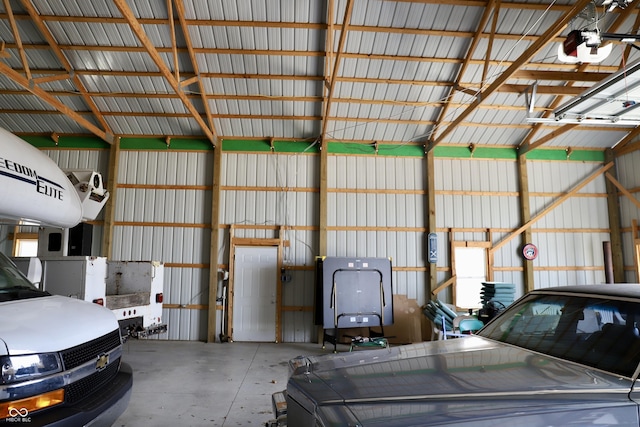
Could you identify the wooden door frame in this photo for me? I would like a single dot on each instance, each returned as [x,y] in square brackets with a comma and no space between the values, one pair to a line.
[636,252]
[234,242]
[452,281]
[470,244]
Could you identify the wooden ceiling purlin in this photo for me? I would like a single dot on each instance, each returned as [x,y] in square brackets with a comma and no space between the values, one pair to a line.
[577,75]
[526,145]
[506,88]
[465,62]
[70,72]
[303,53]
[151,50]
[553,31]
[194,63]
[437,104]
[336,68]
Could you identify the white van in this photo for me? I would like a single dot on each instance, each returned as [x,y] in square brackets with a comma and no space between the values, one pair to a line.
[60,358]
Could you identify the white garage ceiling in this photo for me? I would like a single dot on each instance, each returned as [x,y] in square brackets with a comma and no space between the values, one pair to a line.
[422,72]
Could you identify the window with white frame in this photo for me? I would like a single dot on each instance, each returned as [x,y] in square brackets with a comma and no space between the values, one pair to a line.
[471,266]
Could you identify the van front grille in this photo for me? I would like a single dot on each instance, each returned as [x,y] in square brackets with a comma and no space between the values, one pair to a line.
[88,385]
[80,354]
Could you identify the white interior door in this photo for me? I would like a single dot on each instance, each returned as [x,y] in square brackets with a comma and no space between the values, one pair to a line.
[254,293]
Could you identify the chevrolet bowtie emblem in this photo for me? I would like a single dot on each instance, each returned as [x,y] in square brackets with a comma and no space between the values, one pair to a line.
[102,362]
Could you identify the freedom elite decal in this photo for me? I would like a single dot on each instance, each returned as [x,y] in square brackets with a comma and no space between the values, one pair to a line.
[22,173]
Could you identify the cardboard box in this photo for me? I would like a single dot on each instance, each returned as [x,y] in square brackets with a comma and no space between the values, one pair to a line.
[410,325]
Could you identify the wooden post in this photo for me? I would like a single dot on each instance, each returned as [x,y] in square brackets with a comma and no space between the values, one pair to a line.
[215,237]
[613,206]
[432,268]
[112,186]
[322,250]
[525,217]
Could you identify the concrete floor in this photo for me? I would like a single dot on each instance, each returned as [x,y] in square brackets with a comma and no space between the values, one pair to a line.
[184,383]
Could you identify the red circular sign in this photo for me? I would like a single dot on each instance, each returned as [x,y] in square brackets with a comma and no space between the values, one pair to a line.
[529,251]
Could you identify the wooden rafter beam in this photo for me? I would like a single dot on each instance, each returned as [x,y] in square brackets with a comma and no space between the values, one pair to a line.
[174,43]
[548,137]
[151,50]
[628,47]
[553,31]
[492,36]
[44,30]
[327,77]
[18,39]
[465,63]
[44,96]
[624,146]
[194,63]
[336,68]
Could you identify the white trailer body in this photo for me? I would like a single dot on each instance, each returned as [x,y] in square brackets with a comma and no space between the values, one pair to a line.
[135,295]
[80,277]
[132,290]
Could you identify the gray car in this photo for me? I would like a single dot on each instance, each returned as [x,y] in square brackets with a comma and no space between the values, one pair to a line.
[561,356]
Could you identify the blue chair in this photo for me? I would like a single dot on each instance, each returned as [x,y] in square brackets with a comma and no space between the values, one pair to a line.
[470,326]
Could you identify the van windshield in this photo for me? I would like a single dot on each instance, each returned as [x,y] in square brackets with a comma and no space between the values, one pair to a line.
[13,284]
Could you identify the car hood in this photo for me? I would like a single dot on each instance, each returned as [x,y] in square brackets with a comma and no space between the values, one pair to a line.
[51,323]
[446,380]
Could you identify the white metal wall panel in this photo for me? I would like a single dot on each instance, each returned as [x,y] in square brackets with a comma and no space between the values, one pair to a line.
[97,160]
[277,189]
[463,202]
[385,195]
[297,326]
[628,176]
[572,257]
[164,213]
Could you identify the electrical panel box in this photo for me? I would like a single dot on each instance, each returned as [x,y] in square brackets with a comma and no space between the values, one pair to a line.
[353,292]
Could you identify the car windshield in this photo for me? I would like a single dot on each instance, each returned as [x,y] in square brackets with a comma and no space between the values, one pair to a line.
[13,285]
[597,332]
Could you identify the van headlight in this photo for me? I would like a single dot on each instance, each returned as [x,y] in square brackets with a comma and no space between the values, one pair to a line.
[29,367]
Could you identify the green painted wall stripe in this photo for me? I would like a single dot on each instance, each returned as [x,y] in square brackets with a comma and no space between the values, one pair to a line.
[239,145]
[265,146]
[159,144]
[479,152]
[67,142]
[560,154]
[383,149]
